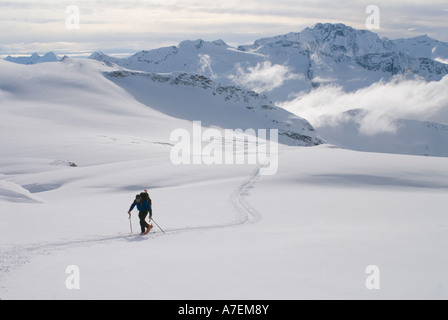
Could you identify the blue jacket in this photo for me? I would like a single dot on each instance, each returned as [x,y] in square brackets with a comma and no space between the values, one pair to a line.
[143,205]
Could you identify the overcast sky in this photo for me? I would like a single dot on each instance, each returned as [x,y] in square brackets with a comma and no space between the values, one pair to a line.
[128,26]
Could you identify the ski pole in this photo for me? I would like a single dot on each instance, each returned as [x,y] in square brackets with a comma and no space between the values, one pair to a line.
[130,222]
[157,225]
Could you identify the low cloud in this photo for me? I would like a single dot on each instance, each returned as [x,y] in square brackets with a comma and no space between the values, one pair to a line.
[441,60]
[264,77]
[382,103]
[205,65]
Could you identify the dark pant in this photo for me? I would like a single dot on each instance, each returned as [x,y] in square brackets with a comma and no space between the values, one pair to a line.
[143,224]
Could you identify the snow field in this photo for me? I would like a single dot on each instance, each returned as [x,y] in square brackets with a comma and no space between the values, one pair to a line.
[310,231]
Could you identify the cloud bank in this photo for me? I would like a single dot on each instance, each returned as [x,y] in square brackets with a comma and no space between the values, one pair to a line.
[264,77]
[382,102]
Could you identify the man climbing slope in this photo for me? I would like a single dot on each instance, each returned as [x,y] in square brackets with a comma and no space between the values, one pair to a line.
[144,207]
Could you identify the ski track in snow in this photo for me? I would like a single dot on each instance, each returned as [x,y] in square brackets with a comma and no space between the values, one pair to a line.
[16,256]
[239,199]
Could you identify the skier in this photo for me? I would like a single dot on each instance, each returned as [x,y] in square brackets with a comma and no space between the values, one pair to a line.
[144,208]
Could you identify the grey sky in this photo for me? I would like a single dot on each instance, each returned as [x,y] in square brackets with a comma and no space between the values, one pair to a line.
[127,26]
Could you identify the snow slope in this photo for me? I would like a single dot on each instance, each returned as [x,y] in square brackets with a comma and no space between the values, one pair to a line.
[248,237]
[195,97]
[310,231]
[14,193]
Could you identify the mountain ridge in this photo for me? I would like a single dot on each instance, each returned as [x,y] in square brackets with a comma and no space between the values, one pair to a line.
[257,109]
[34,58]
[325,54]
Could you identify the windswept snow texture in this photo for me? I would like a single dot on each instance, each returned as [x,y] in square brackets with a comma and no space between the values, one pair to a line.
[14,193]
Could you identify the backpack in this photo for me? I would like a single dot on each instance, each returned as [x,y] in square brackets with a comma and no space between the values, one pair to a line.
[145,196]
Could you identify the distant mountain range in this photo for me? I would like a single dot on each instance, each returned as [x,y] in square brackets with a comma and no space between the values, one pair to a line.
[34,58]
[285,65]
[242,86]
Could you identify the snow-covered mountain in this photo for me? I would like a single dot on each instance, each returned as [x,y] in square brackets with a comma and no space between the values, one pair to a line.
[107,60]
[79,139]
[206,77]
[34,58]
[310,231]
[423,47]
[168,98]
[196,97]
[285,65]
